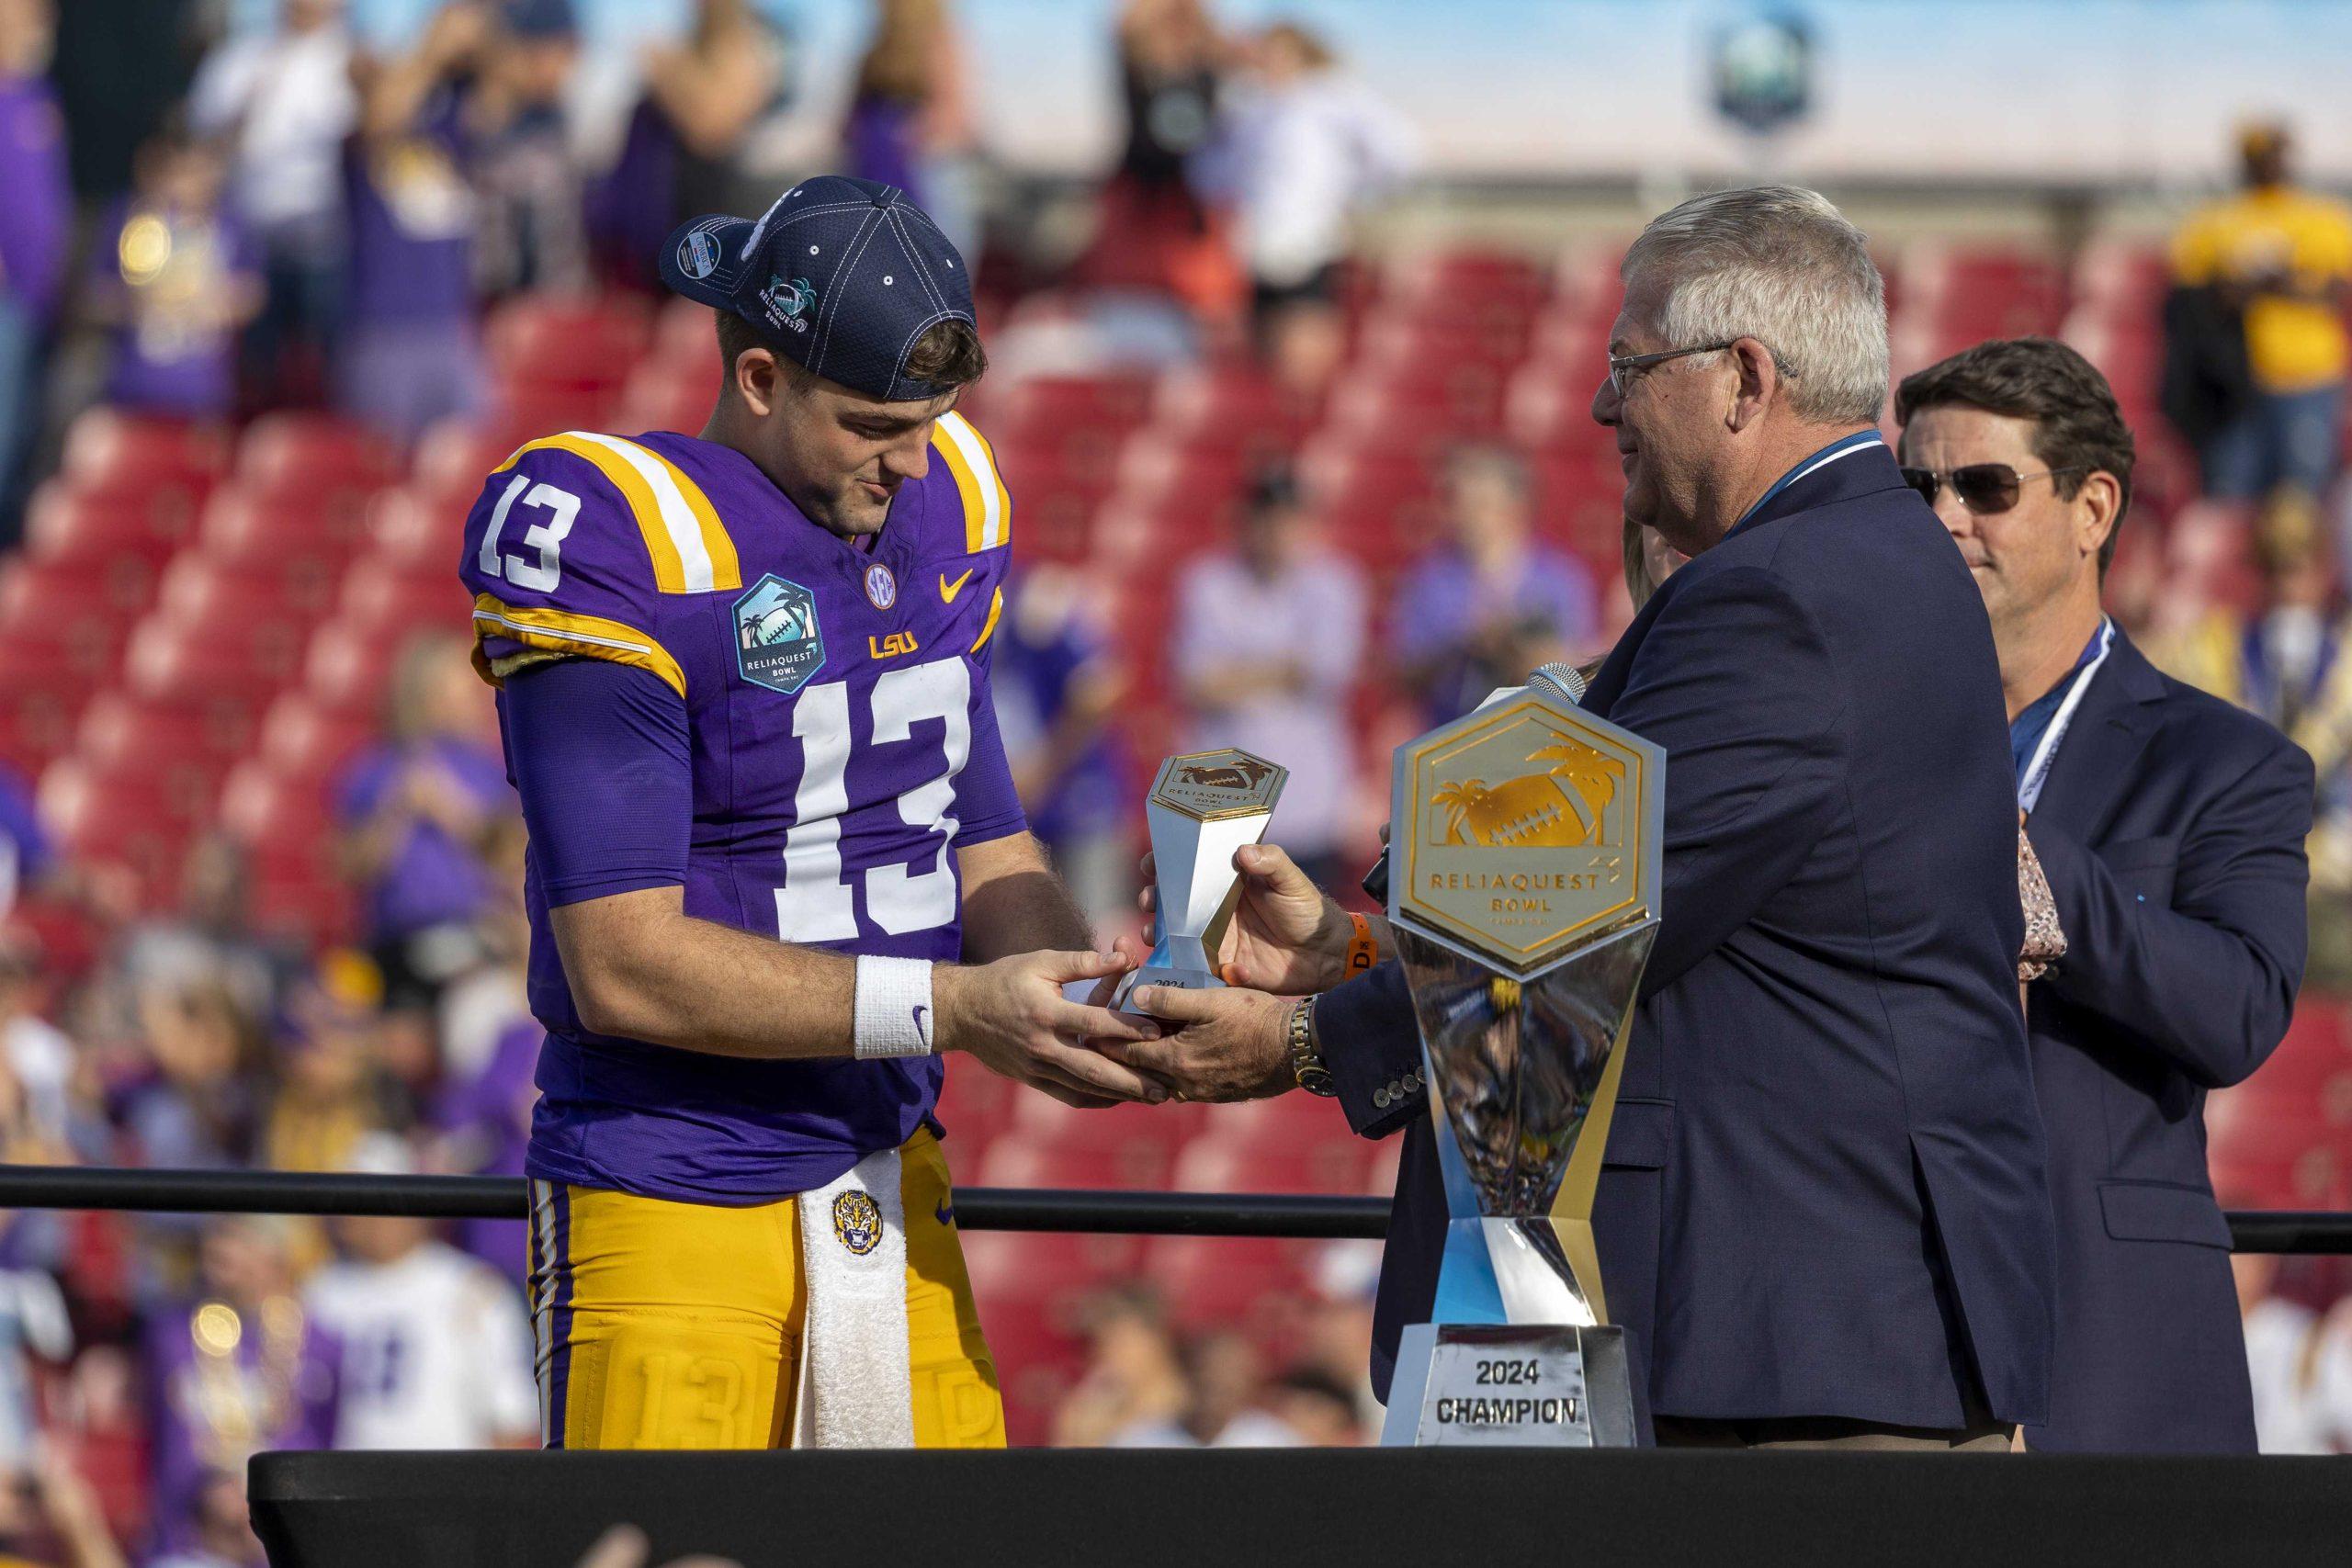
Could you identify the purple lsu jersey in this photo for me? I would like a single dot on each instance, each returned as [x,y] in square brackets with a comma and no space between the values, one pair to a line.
[842,741]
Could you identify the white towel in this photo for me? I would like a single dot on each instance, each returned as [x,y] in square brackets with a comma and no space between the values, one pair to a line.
[854,1384]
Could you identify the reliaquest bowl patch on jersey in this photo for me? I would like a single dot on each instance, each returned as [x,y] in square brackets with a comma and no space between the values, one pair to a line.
[777,641]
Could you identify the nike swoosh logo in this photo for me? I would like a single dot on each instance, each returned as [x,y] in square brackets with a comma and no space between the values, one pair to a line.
[947,590]
[945,1213]
[920,1030]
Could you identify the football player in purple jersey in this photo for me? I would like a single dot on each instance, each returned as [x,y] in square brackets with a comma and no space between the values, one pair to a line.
[777,869]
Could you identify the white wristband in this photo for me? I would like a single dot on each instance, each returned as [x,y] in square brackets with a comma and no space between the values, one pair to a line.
[892,1014]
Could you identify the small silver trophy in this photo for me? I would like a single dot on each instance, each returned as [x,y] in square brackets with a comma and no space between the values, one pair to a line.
[1203,807]
[1524,910]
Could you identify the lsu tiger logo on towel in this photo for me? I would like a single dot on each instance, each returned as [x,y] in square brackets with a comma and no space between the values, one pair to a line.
[857,1223]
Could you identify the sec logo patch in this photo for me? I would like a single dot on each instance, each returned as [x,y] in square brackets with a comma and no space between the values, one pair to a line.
[857,1223]
[881,588]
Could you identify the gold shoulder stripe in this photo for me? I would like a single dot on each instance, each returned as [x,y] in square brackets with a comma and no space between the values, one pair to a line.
[688,546]
[987,630]
[988,510]
[559,631]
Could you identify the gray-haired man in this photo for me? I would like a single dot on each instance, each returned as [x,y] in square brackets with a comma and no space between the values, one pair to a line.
[1824,1217]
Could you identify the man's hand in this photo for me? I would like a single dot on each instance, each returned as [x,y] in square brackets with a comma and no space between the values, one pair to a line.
[1013,1019]
[1229,1045]
[1285,936]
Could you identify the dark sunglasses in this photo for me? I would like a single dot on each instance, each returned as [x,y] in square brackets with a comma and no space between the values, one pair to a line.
[1984,488]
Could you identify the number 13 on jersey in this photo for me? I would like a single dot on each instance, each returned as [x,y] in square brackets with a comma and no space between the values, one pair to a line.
[817,902]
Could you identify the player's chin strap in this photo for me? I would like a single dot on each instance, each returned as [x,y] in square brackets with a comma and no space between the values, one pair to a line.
[854,1388]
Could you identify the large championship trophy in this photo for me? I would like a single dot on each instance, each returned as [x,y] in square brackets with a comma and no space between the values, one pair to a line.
[1524,909]
[1203,807]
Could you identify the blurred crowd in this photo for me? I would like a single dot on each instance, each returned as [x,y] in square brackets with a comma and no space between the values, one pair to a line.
[290,217]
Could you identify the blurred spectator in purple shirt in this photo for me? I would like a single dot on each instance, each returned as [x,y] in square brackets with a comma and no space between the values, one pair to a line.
[1058,686]
[1268,636]
[414,813]
[174,276]
[239,1368]
[910,119]
[33,233]
[409,353]
[281,100]
[1492,603]
[485,1125]
[702,96]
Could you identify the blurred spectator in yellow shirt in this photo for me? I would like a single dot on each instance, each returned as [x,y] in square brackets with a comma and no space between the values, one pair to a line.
[2281,258]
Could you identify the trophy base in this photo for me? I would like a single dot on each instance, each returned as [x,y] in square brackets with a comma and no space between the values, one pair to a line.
[1516,1385]
[1155,974]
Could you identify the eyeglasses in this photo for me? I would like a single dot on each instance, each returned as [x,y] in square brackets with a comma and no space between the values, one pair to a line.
[1986,489]
[1623,365]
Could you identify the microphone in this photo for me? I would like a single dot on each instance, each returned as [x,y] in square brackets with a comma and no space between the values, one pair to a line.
[1559,680]
[1564,682]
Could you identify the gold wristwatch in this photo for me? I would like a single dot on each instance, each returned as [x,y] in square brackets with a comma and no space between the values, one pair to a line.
[1305,1061]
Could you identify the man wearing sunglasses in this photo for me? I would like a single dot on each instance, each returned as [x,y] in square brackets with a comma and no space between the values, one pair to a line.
[1822,1217]
[2170,826]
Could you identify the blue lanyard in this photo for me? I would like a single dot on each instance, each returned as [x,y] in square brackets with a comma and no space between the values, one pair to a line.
[1843,447]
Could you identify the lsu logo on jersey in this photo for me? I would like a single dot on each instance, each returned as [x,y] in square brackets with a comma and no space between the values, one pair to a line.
[778,643]
[857,1222]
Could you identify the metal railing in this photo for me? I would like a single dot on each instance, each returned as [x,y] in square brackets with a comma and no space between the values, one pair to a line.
[977,1208]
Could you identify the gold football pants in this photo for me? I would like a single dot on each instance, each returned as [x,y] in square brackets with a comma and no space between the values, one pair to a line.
[663,1325]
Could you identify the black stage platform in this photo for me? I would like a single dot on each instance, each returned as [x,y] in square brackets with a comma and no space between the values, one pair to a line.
[1139,1508]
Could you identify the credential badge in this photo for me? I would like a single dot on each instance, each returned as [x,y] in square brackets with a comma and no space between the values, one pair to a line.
[857,1222]
[777,641]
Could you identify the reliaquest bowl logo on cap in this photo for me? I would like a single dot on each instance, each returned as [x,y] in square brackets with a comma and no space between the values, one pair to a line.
[777,641]
[698,254]
[789,302]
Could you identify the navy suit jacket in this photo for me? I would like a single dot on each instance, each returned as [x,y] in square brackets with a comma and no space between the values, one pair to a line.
[2172,831]
[1823,1192]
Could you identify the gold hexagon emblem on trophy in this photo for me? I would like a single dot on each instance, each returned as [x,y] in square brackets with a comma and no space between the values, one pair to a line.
[1523,887]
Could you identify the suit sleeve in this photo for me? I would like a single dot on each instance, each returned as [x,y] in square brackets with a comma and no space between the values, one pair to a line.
[1736,681]
[1371,1042]
[2208,982]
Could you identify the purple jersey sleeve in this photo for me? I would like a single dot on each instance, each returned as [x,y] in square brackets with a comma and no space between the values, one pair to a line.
[559,558]
[599,754]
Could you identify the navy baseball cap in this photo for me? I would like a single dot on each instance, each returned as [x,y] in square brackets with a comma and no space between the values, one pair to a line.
[841,276]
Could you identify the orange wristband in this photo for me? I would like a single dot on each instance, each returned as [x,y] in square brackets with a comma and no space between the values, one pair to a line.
[1362,951]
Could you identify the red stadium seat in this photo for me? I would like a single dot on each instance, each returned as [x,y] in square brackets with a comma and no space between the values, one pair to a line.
[178,744]
[1046,1264]
[1043,1120]
[685,332]
[78,607]
[1255,1283]
[264,805]
[1039,1353]
[1016,1160]
[456,455]
[528,411]
[417,528]
[286,545]
[108,445]
[663,396]
[127,816]
[42,691]
[1220,1163]
[300,735]
[279,448]
[70,520]
[388,598]
[1228,404]
[542,341]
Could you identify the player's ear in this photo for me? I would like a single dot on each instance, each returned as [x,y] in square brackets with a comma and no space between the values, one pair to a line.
[759,381]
